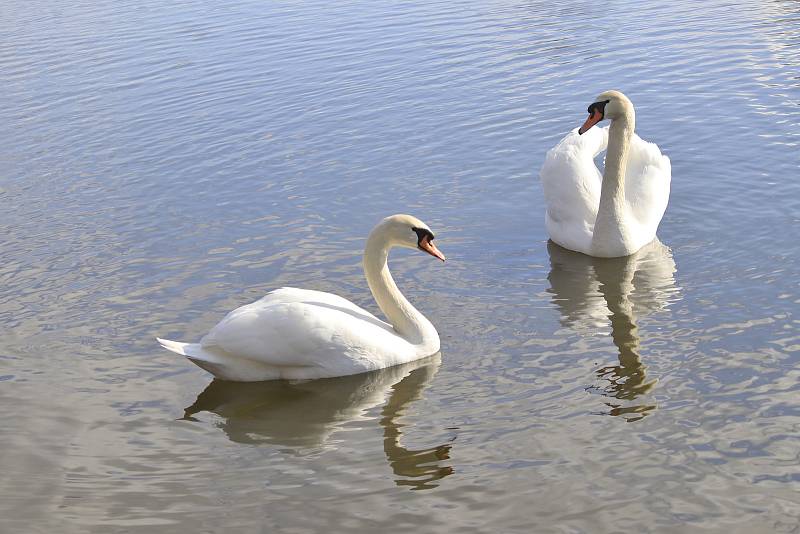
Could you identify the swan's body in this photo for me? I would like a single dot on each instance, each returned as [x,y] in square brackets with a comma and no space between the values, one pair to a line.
[617,213]
[302,334]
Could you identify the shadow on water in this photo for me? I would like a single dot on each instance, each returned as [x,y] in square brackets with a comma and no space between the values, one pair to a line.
[304,415]
[590,292]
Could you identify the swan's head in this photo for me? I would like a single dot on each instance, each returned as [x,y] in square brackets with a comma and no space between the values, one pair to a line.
[408,232]
[609,105]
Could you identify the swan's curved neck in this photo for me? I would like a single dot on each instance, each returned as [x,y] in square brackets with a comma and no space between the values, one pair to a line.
[610,232]
[405,318]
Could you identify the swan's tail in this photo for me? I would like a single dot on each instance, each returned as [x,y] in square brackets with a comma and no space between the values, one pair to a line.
[220,363]
[191,350]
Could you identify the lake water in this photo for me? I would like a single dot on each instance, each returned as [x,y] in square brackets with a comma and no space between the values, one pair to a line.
[165,162]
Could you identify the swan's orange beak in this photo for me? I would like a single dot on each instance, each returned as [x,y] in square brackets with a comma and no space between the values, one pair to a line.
[595,117]
[428,246]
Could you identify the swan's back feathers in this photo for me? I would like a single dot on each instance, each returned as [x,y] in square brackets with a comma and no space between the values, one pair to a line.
[296,334]
[647,184]
[301,328]
[571,184]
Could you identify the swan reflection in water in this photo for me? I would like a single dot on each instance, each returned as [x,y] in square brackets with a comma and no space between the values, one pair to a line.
[589,291]
[304,415]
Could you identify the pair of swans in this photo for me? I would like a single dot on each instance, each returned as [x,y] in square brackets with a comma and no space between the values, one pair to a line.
[302,334]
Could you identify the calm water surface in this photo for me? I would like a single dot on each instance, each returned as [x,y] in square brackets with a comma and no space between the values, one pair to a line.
[163,163]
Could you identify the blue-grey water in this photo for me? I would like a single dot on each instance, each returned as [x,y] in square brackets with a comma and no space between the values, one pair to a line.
[164,162]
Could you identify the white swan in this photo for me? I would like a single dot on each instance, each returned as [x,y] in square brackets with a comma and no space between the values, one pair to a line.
[302,334]
[617,214]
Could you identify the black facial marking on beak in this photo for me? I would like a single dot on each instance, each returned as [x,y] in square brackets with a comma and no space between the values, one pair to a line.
[421,234]
[599,107]
[596,111]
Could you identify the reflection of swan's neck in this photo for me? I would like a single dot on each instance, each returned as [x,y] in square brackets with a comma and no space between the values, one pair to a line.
[624,331]
[610,237]
[419,468]
[629,379]
[405,318]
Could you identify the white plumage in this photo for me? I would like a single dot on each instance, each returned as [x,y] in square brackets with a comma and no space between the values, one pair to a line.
[301,334]
[573,187]
[296,333]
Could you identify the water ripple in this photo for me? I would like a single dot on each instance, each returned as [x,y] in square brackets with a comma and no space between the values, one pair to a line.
[166,163]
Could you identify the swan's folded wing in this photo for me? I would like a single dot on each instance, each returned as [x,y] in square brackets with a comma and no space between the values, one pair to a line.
[571,182]
[293,294]
[647,183]
[301,330]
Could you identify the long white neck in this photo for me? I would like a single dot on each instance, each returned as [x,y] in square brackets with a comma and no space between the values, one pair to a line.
[611,236]
[405,318]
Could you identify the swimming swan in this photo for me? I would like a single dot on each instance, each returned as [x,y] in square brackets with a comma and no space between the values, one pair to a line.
[302,334]
[617,214]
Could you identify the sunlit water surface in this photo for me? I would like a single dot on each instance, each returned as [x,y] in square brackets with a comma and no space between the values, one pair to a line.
[164,162]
